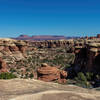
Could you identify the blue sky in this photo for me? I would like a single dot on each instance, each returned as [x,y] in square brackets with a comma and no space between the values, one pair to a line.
[49,17]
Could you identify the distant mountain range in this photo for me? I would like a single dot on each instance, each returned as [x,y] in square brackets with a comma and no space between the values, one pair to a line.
[42,37]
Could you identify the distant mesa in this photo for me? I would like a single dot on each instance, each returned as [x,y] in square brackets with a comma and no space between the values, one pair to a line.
[42,37]
[23,36]
[51,37]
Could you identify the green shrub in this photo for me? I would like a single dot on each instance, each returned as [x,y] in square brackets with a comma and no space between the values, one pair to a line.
[81,77]
[98,77]
[31,75]
[26,76]
[89,76]
[12,70]
[7,75]
[81,80]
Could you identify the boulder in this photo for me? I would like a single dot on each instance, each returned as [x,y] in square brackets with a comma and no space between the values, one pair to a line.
[48,73]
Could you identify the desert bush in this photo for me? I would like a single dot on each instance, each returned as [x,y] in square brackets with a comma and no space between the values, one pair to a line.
[31,75]
[26,76]
[12,70]
[89,76]
[81,77]
[81,80]
[7,76]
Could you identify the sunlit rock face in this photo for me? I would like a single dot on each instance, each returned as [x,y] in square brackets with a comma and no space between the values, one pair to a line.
[20,47]
[10,45]
[86,50]
[48,73]
[13,51]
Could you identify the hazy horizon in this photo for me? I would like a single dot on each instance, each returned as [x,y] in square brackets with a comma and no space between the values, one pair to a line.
[52,35]
[49,17]
[75,35]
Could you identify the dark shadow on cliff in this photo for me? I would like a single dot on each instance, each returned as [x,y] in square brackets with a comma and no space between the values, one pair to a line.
[79,64]
[97,64]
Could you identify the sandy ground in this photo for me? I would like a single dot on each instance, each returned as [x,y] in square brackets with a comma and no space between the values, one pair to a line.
[26,89]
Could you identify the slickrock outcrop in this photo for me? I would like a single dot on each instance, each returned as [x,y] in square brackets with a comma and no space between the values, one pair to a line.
[48,73]
[3,66]
[26,89]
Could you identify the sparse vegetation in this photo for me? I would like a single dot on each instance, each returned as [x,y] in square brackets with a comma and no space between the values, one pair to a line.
[51,56]
[31,75]
[7,76]
[83,80]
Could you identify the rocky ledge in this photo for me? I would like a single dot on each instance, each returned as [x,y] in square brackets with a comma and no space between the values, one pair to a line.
[25,89]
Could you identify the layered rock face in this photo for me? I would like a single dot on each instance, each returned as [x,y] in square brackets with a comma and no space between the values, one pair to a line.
[17,49]
[10,45]
[93,56]
[3,66]
[52,43]
[48,73]
[88,57]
